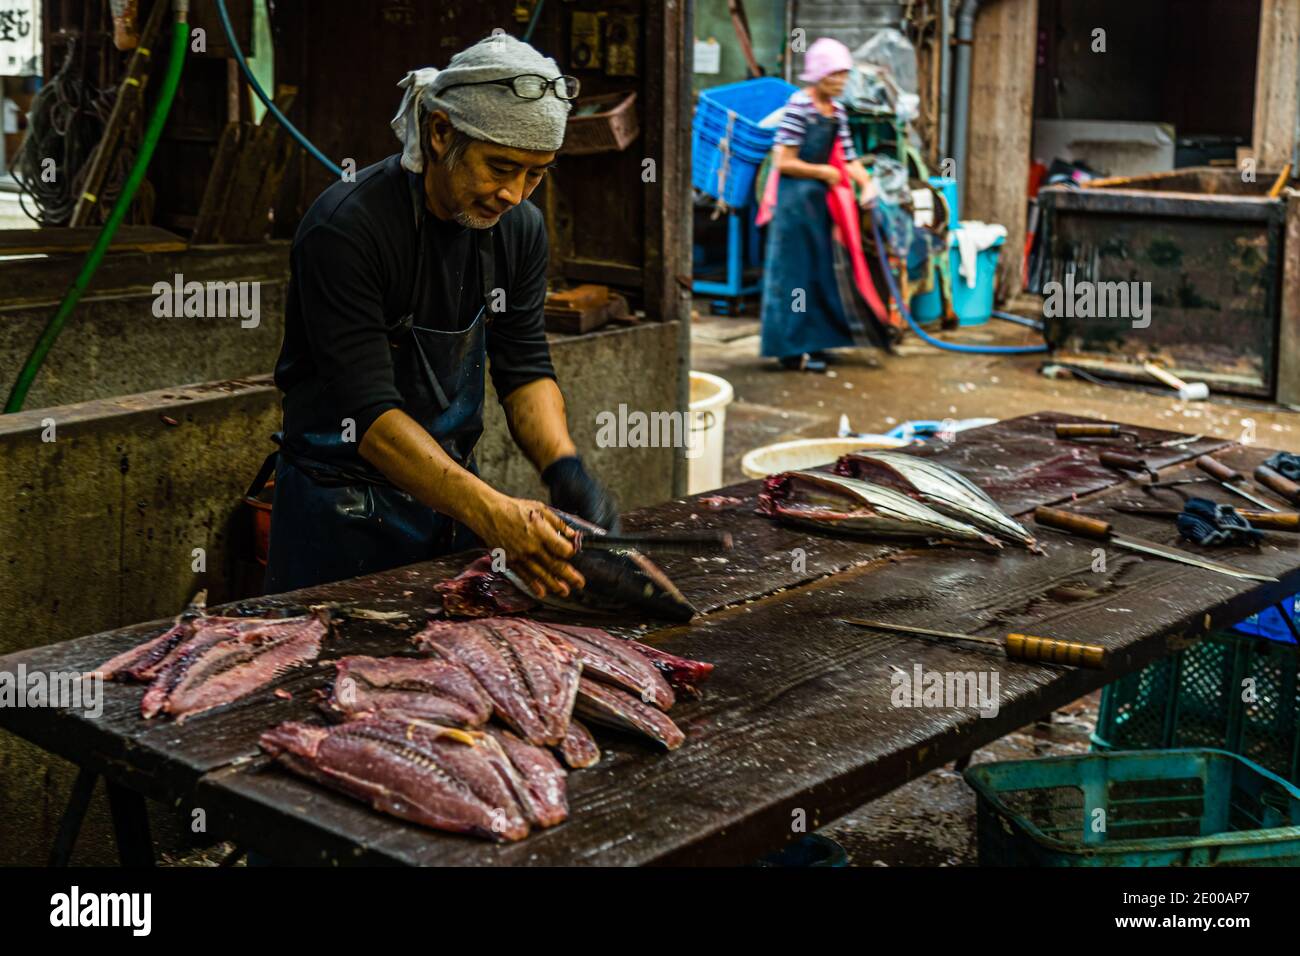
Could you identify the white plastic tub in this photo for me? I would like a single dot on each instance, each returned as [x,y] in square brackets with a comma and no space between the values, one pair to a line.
[809,453]
[710,396]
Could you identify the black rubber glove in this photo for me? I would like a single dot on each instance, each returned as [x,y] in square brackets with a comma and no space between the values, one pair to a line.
[573,489]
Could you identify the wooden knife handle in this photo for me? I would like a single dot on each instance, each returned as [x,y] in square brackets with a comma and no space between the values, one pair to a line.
[1123,462]
[1273,520]
[1273,481]
[1083,430]
[1217,469]
[1072,522]
[1026,647]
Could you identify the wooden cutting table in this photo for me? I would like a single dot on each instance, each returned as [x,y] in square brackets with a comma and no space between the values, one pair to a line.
[797,715]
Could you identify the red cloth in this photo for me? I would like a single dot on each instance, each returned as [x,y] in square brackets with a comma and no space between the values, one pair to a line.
[844,214]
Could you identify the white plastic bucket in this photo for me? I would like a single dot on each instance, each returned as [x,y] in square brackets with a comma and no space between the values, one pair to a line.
[710,396]
[809,453]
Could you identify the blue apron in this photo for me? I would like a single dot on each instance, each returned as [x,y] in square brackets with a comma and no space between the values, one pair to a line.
[335,515]
[804,265]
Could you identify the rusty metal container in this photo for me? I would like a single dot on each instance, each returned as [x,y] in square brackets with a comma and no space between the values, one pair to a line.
[1212,247]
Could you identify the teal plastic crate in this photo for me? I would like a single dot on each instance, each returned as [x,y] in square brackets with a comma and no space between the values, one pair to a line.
[1230,691]
[1137,808]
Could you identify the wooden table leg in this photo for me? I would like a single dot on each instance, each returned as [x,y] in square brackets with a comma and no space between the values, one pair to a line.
[73,815]
[130,825]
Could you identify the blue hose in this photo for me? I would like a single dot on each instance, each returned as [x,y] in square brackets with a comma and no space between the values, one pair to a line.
[266,100]
[930,339]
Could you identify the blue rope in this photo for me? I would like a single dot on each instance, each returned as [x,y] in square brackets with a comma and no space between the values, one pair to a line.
[921,333]
[266,100]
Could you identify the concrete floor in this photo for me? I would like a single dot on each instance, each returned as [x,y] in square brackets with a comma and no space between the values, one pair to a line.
[931,821]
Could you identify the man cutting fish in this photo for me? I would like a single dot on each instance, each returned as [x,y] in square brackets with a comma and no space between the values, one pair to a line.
[403,282]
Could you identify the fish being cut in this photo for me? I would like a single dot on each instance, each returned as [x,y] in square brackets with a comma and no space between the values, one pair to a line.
[541,787]
[224,662]
[838,503]
[614,660]
[579,749]
[440,777]
[619,579]
[941,488]
[408,688]
[612,707]
[531,678]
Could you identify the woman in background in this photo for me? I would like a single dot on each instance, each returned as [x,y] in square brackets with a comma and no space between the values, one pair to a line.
[808,304]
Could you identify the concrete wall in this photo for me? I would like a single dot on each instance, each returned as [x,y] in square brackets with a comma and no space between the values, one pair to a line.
[113,344]
[98,526]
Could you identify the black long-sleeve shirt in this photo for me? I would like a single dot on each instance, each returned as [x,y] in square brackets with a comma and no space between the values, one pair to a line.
[352,266]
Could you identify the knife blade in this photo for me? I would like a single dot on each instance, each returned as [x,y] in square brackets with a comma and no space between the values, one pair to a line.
[685,542]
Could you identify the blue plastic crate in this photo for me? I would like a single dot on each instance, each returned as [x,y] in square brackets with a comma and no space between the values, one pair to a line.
[1147,808]
[1270,624]
[733,112]
[1194,698]
[751,101]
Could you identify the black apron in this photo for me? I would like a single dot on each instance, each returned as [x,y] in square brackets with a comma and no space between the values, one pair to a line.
[334,515]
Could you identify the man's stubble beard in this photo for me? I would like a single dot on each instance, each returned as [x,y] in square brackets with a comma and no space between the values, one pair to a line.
[475,222]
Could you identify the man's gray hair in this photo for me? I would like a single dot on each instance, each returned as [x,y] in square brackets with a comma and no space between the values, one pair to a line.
[455,149]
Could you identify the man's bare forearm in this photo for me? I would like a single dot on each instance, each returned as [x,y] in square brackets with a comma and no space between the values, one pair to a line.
[413,460]
[535,415]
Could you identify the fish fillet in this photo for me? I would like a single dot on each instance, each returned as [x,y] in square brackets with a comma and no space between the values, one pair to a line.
[540,787]
[531,680]
[579,748]
[409,688]
[612,707]
[439,777]
[221,664]
[615,661]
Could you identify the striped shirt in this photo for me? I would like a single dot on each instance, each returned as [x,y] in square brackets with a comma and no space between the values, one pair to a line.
[794,123]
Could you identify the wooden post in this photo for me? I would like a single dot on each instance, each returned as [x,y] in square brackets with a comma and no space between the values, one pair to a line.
[1276,69]
[996,179]
[1288,337]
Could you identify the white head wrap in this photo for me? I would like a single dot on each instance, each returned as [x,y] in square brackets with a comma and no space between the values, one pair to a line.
[487,111]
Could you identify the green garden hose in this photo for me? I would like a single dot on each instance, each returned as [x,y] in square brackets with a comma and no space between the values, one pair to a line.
[180,40]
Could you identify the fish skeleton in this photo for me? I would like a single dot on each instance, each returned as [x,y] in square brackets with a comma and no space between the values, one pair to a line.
[840,503]
[612,707]
[408,688]
[224,662]
[531,679]
[941,488]
[440,777]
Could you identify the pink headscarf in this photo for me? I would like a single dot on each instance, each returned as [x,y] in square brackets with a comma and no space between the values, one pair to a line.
[824,57]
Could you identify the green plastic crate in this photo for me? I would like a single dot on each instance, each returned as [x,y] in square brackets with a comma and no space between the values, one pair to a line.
[1194,698]
[1159,808]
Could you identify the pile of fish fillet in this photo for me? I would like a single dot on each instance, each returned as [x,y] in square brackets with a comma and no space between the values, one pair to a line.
[411,735]
[414,738]
[202,661]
